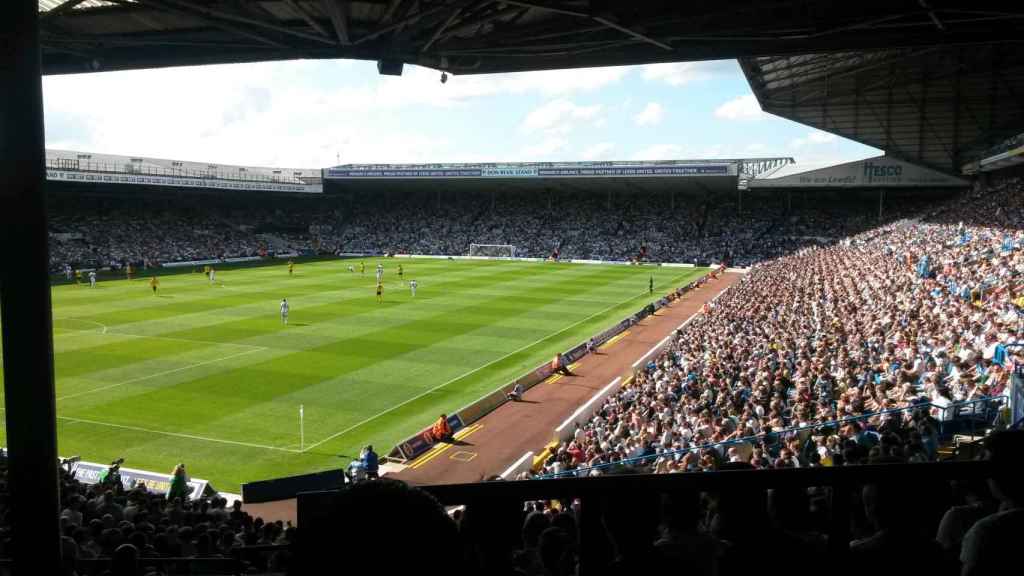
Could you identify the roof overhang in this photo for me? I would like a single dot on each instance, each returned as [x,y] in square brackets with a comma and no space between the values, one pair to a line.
[486,36]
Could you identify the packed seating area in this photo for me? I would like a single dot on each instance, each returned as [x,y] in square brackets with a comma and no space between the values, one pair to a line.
[105,521]
[905,332]
[111,232]
[849,342]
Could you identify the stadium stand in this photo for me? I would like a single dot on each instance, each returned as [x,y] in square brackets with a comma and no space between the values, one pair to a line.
[112,230]
[873,348]
[869,346]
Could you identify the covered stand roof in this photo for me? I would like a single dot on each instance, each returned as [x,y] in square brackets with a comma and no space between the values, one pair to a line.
[482,36]
[938,106]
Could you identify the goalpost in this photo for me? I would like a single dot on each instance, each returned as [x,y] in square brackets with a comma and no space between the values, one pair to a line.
[493,250]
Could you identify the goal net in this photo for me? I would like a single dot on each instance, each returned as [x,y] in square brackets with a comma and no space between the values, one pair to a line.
[492,250]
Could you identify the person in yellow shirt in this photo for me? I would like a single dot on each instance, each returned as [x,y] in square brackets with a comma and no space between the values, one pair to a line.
[291,267]
[128,270]
[380,293]
[153,283]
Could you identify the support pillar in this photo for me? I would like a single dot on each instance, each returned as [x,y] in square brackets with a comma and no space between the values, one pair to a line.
[30,409]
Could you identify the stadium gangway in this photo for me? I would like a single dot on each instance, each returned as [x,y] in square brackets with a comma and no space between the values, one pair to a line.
[595,493]
[789,432]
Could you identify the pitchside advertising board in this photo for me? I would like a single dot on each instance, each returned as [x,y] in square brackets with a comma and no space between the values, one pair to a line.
[569,171]
[880,172]
[90,473]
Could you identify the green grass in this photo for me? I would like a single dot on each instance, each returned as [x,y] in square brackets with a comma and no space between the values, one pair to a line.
[209,376]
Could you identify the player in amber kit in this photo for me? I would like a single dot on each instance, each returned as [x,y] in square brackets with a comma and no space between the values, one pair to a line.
[291,267]
[154,282]
[380,293]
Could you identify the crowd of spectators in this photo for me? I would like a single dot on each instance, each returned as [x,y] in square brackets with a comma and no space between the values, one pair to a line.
[112,232]
[928,527]
[106,521]
[917,319]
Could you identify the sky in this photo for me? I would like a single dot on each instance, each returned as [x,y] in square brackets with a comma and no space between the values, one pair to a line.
[315,113]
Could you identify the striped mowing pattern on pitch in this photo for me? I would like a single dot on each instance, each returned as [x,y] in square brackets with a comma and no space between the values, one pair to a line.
[208,375]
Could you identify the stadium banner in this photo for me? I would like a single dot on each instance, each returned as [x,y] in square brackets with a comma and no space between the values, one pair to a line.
[242,259]
[675,265]
[878,172]
[91,472]
[284,255]
[178,182]
[511,171]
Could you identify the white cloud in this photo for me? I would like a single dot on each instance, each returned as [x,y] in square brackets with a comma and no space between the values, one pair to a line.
[558,116]
[819,137]
[545,149]
[683,73]
[597,151]
[288,114]
[813,137]
[660,152]
[554,82]
[756,147]
[740,108]
[651,115]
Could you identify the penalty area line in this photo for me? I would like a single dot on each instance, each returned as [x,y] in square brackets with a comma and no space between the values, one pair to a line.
[175,434]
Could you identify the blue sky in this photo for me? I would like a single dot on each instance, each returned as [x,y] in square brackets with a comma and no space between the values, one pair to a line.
[308,114]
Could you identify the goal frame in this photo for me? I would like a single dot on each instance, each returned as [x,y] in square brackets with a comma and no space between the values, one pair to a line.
[511,250]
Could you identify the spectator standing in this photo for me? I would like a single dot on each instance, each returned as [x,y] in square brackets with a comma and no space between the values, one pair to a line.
[179,484]
[371,462]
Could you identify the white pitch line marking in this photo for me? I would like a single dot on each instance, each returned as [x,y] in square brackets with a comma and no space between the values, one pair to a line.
[100,324]
[72,331]
[460,377]
[176,434]
[164,373]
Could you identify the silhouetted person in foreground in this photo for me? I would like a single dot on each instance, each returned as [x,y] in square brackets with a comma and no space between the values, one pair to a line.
[382,527]
[992,545]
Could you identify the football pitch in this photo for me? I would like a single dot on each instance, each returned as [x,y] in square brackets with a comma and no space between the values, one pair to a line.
[208,374]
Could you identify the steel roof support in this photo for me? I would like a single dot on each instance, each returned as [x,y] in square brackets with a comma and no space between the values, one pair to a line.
[27,327]
[308,18]
[338,11]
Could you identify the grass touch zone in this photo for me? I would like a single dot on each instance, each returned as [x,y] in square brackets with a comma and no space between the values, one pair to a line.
[208,375]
